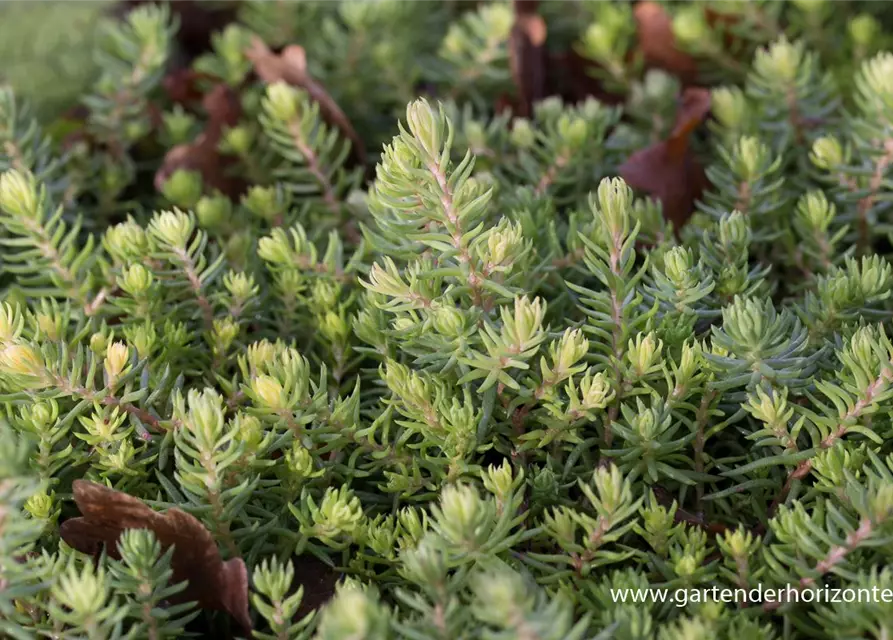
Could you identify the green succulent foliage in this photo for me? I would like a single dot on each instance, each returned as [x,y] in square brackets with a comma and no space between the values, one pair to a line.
[484,381]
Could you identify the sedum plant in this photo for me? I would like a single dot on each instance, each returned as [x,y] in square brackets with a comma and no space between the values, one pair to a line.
[467,382]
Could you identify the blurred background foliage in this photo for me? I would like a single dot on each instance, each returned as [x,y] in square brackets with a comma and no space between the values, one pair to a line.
[46,45]
[47,50]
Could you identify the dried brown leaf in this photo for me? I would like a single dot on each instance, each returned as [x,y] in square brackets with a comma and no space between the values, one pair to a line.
[318,581]
[658,44]
[668,170]
[107,513]
[526,7]
[576,80]
[202,155]
[182,85]
[693,109]
[291,66]
[527,54]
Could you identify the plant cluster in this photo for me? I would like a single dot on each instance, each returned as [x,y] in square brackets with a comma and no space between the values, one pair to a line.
[337,313]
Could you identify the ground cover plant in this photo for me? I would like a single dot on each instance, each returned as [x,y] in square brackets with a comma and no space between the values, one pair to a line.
[390,319]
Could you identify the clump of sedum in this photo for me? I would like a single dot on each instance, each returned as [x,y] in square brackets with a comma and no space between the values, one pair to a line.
[286,318]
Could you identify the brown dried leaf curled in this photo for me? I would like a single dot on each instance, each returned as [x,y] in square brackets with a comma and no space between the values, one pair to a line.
[182,85]
[658,44]
[290,66]
[318,581]
[202,155]
[527,54]
[668,170]
[106,513]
